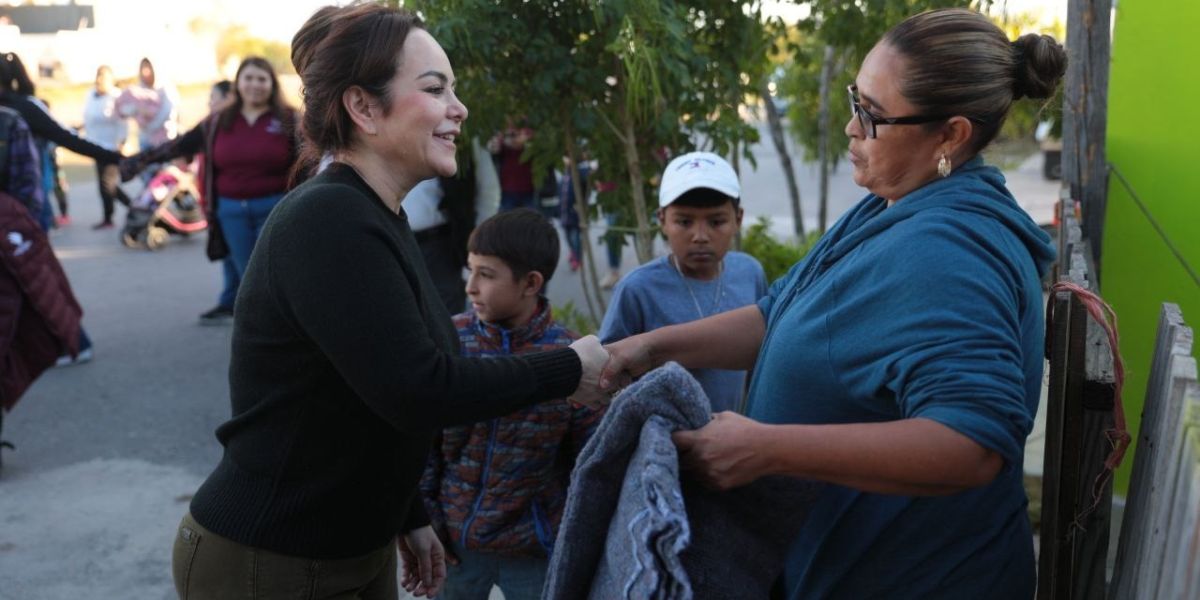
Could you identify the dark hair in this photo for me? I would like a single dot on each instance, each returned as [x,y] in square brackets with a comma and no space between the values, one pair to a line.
[960,63]
[14,77]
[279,107]
[153,74]
[337,48]
[224,86]
[703,198]
[522,238]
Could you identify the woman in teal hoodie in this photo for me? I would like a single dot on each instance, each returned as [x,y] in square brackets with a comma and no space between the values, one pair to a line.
[901,360]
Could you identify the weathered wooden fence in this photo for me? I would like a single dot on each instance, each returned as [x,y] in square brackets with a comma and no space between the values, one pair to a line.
[1159,551]
[1076,501]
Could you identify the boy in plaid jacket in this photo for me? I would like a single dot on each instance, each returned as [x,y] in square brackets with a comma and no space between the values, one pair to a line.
[495,490]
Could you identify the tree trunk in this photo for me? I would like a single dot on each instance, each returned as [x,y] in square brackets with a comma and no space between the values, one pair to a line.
[585,237]
[643,241]
[775,124]
[823,134]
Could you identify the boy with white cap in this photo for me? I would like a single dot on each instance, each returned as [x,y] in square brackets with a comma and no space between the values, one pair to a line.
[700,213]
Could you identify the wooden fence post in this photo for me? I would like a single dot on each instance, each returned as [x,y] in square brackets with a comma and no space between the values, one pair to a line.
[1054,558]
[1085,113]
[1075,514]
[1089,535]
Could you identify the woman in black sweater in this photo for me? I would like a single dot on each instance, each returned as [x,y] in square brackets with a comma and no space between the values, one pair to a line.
[345,361]
[16,92]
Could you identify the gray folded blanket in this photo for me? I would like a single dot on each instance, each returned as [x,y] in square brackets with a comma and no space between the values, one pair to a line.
[632,531]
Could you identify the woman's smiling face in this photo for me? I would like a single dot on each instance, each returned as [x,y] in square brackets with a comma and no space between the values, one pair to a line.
[425,116]
[254,87]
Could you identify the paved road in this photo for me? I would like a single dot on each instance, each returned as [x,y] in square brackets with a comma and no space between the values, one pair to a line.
[109,452]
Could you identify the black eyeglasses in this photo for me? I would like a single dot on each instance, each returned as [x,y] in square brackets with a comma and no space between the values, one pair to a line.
[870,121]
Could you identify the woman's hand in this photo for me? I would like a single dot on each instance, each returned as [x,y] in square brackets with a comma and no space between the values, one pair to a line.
[722,454]
[627,359]
[593,357]
[423,562]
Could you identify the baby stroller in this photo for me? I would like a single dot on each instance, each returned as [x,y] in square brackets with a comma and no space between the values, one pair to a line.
[169,204]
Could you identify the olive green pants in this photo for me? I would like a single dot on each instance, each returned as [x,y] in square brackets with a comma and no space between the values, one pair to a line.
[207,566]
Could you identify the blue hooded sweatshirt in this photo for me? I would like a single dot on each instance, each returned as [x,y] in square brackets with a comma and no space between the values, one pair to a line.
[932,309]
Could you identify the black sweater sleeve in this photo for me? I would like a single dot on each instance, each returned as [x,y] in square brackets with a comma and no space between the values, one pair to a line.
[347,282]
[417,517]
[191,142]
[44,126]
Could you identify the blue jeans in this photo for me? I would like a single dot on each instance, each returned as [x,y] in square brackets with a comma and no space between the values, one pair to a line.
[232,281]
[241,221]
[46,217]
[612,242]
[511,200]
[519,577]
[574,242]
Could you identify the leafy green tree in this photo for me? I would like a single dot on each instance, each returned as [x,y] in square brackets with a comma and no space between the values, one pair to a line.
[633,79]
[777,257]
[768,92]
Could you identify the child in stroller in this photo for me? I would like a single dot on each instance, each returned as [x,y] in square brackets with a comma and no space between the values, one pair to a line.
[167,205]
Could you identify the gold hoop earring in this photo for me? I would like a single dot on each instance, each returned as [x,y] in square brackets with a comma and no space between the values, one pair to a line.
[944,166]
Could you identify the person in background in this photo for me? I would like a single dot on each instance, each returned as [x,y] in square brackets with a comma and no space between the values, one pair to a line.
[700,213]
[901,360]
[345,362]
[152,104]
[60,188]
[614,241]
[17,92]
[46,153]
[105,127]
[517,189]
[424,205]
[495,490]
[218,99]
[250,149]
[442,213]
[41,316]
[568,213]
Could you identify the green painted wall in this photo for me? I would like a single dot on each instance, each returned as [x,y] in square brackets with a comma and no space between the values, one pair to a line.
[1154,140]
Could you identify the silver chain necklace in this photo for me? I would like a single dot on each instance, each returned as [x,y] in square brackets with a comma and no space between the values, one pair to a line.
[717,296]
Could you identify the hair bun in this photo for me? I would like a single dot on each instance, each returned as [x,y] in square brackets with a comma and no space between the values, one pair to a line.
[309,37]
[1040,64]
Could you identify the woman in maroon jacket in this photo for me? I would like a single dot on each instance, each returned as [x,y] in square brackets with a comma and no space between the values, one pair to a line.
[250,148]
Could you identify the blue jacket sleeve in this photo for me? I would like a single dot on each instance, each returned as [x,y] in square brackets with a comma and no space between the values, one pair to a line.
[958,360]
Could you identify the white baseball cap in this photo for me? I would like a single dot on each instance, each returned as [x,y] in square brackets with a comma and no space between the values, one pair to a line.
[697,170]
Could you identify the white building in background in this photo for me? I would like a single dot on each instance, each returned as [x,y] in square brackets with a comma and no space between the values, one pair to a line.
[179,36]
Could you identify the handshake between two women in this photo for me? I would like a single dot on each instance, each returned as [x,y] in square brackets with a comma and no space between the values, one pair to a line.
[607,368]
